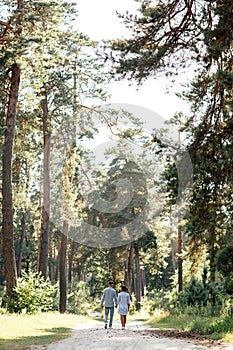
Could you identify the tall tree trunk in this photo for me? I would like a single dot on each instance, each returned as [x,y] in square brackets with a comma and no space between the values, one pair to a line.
[173,243]
[126,277]
[52,260]
[131,269]
[180,259]
[71,254]
[143,282]
[212,250]
[55,262]
[1,262]
[7,201]
[63,254]
[28,260]
[44,238]
[173,255]
[137,277]
[212,239]
[21,243]
[56,276]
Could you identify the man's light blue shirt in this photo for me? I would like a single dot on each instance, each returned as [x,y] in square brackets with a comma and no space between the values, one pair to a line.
[109,296]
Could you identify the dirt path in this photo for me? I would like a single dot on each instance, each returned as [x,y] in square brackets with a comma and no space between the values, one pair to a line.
[92,336]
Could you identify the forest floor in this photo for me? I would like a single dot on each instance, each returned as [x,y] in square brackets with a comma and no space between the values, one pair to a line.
[136,336]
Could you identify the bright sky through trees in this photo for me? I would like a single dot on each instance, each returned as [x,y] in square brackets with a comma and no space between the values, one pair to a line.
[99,20]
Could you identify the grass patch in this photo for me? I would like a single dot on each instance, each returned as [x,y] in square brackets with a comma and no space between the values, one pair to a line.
[210,327]
[139,316]
[19,332]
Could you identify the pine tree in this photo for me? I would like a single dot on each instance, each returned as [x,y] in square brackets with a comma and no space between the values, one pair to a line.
[167,37]
[39,45]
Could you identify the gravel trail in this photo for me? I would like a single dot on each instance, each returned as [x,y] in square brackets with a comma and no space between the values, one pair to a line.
[137,336]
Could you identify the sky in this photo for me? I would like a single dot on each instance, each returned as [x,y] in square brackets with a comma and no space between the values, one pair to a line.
[98,19]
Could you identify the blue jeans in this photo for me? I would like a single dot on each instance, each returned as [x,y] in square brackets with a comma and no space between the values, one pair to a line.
[107,310]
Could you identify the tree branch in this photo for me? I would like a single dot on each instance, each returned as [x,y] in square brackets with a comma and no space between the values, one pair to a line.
[5,24]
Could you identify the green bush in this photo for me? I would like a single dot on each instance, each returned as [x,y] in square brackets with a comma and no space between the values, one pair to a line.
[154,303]
[193,294]
[201,298]
[78,299]
[224,261]
[133,304]
[222,325]
[228,285]
[33,294]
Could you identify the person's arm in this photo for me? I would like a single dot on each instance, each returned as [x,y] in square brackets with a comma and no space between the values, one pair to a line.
[116,299]
[128,301]
[102,300]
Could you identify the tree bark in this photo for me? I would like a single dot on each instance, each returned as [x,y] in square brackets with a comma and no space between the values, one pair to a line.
[180,259]
[173,244]
[71,254]
[56,276]
[51,264]
[21,243]
[143,282]
[130,270]
[44,238]
[7,200]
[212,236]
[138,277]
[63,256]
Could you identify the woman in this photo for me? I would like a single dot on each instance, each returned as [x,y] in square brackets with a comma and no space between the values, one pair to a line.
[123,302]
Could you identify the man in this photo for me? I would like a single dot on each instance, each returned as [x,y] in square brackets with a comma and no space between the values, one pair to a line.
[108,299]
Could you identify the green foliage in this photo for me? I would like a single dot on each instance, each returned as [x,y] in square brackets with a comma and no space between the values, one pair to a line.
[153,303]
[47,55]
[228,285]
[33,294]
[205,298]
[193,294]
[159,44]
[224,261]
[122,169]
[79,300]
[133,304]
[210,326]
[154,46]
[221,325]
[224,264]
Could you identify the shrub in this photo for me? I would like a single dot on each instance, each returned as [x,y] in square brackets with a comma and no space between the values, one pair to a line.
[32,294]
[224,261]
[221,325]
[193,294]
[228,285]
[154,303]
[133,304]
[204,298]
[78,299]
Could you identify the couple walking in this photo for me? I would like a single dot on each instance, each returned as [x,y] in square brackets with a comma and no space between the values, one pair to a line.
[122,301]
